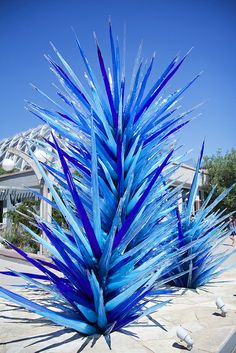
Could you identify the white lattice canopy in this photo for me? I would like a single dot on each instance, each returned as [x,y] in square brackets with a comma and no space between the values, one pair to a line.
[18,142]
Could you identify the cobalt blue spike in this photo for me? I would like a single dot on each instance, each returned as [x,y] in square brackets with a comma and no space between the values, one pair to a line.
[139,203]
[31,275]
[48,273]
[83,215]
[71,159]
[108,88]
[143,84]
[58,318]
[160,85]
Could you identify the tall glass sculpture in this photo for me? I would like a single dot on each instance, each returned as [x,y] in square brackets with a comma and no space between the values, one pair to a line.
[108,169]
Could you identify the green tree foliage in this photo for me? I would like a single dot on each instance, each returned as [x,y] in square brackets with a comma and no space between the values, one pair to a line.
[57,216]
[3,172]
[22,215]
[222,173]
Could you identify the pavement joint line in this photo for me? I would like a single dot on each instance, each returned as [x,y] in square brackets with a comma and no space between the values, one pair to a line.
[142,344]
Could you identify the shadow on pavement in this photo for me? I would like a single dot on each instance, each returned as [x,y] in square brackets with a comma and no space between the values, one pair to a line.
[179,346]
[46,337]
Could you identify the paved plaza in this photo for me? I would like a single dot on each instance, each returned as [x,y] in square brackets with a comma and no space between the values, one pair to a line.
[21,331]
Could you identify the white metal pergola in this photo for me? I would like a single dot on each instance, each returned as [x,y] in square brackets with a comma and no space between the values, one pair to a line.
[18,142]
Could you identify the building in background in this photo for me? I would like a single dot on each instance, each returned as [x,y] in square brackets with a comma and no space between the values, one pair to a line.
[18,174]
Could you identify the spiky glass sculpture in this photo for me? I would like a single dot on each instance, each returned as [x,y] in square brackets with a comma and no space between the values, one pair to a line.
[203,233]
[107,174]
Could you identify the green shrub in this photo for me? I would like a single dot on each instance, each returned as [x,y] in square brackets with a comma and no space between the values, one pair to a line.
[14,232]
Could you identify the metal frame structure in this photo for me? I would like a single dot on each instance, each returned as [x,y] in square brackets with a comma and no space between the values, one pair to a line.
[18,142]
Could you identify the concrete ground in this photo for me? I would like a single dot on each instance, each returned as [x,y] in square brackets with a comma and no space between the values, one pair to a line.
[21,331]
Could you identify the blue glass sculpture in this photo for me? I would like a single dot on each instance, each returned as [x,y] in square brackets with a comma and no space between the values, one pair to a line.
[108,175]
[202,235]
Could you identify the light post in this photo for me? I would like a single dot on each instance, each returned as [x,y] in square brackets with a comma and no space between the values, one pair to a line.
[8,165]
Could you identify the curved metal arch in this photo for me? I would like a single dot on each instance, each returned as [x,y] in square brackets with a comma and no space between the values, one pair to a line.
[28,160]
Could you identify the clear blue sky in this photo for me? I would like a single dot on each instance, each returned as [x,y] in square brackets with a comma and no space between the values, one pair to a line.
[167,27]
